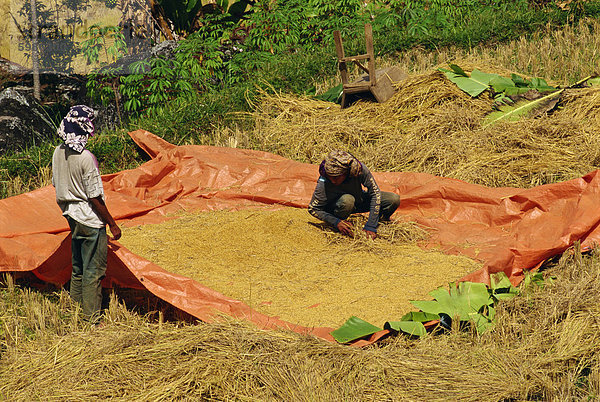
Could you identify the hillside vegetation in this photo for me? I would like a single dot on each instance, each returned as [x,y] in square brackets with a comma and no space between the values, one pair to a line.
[558,44]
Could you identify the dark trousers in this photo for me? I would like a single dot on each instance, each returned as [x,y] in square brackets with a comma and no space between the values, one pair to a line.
[346,205]
[88,250]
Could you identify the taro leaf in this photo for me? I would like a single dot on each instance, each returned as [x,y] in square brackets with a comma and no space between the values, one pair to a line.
[464,301]
[468,84]
[409,327]
[523,108]
[501,287]
[353,329]
[419,316]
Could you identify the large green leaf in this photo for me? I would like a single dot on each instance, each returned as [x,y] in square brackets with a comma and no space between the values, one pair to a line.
[472,86]
[464,301]
[409,327]
[520,81]
[458,71]
[501,287]
[593,81]
[419,316]
[353,329]
[511,91]
[479,81]
[499,84]
[484,322]
[483,78]
[332,95]
[541,85]
[522,108]
[238,8]
[224,4]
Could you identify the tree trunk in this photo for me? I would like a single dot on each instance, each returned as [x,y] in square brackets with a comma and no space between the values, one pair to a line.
[159,15]
[34,51]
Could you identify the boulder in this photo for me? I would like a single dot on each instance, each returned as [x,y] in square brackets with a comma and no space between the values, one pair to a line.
[23,121]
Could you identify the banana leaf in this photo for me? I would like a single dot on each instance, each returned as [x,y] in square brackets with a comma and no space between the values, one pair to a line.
[499,84]
[409,327]
[479,81]
[473,85]
[594,81]
[332,95]
[501,287]
[419,316]
[468,301]
[353,329]
[523,108]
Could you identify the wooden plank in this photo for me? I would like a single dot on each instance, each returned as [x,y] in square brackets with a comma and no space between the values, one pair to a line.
[385,89]
[356,58]
[339,49]
[370,53]
[386,78]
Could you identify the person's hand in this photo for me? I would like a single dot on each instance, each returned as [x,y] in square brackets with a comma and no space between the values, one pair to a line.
[116,232]
[345,228]
[370,235]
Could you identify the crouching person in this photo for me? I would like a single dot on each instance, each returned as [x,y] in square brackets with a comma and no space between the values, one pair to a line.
[339,193]
[80,196]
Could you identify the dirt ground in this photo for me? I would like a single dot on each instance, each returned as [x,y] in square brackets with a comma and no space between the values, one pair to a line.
[285,263]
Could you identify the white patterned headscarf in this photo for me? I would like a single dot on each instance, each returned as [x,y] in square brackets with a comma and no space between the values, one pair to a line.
[77,127]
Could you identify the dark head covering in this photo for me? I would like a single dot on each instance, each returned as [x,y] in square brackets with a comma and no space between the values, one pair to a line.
[77,126]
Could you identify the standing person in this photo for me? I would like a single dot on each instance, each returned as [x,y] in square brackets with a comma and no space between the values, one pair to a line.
[340,192]
[80,196]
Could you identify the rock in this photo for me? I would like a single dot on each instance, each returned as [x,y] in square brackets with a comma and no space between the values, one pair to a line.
[107,117]
[9,68]
[23,121]
[165,49]
[56,87]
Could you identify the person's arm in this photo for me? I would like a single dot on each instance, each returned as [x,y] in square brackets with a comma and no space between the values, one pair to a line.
[100,208]
[317,205]
[375,194]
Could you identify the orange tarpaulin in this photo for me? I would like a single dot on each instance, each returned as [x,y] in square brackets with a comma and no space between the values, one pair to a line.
[508,229]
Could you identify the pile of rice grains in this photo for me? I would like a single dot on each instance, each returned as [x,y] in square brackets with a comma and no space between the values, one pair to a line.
[285,263]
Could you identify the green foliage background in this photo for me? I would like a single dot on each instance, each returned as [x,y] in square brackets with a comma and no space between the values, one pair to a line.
[282,46]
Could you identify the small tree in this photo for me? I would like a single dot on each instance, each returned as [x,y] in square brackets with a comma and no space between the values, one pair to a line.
[34,51]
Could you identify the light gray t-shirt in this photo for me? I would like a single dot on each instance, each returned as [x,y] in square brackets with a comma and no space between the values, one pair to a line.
[76,179]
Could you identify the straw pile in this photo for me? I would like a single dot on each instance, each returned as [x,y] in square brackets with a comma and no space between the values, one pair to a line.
[286,263]
[544,347]
[431,126]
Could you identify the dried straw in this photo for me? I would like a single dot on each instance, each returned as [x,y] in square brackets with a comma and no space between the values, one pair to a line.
[544,347]
[432,126]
